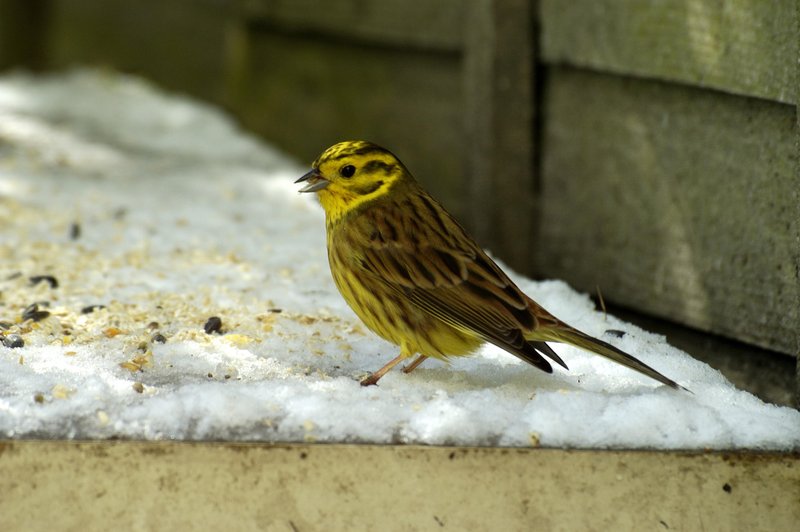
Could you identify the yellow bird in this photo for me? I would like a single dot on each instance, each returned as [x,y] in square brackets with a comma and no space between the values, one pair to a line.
[417,279]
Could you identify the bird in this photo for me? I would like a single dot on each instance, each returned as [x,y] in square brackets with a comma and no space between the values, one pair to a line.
[417,279]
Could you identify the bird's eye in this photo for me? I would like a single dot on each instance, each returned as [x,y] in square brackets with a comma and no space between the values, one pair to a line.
[347,171]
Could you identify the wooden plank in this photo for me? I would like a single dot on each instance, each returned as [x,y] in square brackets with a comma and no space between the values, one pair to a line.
[210,486]
[675,201]
[305,94]
[408,23]
[404,74]
[22,28]
[797,199]
[180,44]
[465,159]
[741,46]
[498,124]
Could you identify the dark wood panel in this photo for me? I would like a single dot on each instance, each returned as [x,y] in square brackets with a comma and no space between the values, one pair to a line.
[742,46]
[180,44]
[409,23]
[305,94]
[675,201]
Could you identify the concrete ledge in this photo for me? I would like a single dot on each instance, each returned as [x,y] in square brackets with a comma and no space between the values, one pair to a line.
[239,486]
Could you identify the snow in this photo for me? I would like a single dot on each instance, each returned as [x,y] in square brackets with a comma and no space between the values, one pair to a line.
[160,209]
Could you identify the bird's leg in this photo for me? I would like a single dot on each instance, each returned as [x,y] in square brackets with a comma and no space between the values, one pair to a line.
[375,377]
[417,361]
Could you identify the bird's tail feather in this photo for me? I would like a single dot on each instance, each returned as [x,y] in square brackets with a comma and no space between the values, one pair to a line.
[567,335]
[546,350]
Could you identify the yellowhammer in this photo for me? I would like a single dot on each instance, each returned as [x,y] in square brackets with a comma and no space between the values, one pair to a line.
[417,279]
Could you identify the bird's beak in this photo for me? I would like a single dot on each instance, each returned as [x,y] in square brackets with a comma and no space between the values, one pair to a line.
[315,182]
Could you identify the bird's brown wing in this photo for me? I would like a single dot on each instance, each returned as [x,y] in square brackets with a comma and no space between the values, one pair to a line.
[416,248]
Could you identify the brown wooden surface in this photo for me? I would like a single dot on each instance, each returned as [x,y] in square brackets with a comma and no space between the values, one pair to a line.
[305,94]
[446,85]
[746,47]
[797,202]
[404,23]
[23,26]
[180,44]
[498,124]
[676,201]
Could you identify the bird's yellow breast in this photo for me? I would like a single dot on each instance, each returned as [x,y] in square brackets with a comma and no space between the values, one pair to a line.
[387,312]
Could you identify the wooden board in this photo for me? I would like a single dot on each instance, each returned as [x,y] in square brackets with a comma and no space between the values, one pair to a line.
[797,204]
[742,46]
[407,23]
[305,94]
[447,86]
[499,83]
[675,201]
[180,44]
[22,29]
[229,486]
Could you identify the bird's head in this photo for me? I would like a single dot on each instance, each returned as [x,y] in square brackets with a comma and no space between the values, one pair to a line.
[351,173]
